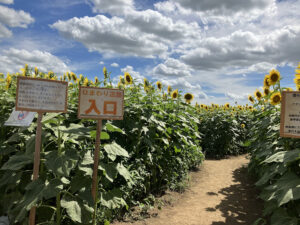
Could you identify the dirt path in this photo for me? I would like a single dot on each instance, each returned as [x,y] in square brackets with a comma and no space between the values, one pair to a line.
[220,193]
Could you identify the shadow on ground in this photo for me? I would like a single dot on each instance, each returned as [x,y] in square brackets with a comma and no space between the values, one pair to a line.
[240,206]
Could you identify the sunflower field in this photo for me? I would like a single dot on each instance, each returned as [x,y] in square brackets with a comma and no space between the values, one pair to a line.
[161,138]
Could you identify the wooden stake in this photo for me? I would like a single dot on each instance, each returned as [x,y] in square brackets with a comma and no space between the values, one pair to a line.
[36,164]
[96,160]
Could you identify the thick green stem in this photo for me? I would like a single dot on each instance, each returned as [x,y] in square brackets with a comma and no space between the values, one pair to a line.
[58,209]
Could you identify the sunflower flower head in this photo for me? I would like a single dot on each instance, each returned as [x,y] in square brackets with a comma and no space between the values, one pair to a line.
[96,80]
[275,98]
[188,98]
[105,72]
[36,71]
[74,77]
[251,99]
[169,89]
[274,76]
[227,105]
[86,82]
[266,91]
[257,94]
[243,125]
[159,85]
[8,81]
[69,76]
[174,94]
[128,78]
[267,81]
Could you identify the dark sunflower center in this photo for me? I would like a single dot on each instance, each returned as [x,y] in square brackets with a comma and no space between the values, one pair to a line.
[276,99]
[128,78]
[258,94]
[174,95]
[274,77]
[188,97]
[267,91]
[159,86]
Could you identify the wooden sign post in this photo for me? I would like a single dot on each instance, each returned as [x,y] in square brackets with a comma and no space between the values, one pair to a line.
[40,95]
[290,114]
[99,104]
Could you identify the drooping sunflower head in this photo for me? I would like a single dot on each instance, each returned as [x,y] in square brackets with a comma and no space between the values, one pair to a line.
[96,80]
[36,71]
[174,94]
[105,72]
[169,89]
[159,85]
[128,78]
[258,94]
[267,81]
[188,97]
[227,105]
[86,82]
[74,77]
[266,91]
[274,77]
[8,81]
[275,98]
[251,99]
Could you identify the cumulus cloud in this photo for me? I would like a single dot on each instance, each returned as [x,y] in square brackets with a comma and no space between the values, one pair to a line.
[4,32]
[7,1]
[172,67]
[114,65]
[101,62]
[110,35]
[114,7]
[12,60]
[223,6]
[234,96]
[135,74]
[13,18]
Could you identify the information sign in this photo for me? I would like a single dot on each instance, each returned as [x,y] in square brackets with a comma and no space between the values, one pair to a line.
[290,114]
[20,118]
[41,95]
[100,103]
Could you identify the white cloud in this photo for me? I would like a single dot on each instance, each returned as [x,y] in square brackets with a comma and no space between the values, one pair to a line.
[172,67]
[12,60]
[13,18]
[4,32]
[7,1]
[101,62]
[110,36]
[114,7]
[114,65]
[223,6]
[134,74]
[234,96]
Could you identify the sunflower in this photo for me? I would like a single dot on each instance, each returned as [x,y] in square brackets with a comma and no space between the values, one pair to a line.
[96,80]
[188,97]
[297,81]
[275,98]
[74,77]
[147,85]
[258,94]
[8,81]
[250,107]
[174,94]
[159,85]
[227,105]
[36,71]
[164,96]
[274,77]
[242,126]
[85,82]
[266,91]
[267,81]
[289,89]
[251,99]
[105,72]
[81,77]
[128,78]
[169,89]
[202,106]
[69,76]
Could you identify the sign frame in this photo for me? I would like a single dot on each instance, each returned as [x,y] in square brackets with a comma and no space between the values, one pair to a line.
[282,115]
[99,117]
[41,110]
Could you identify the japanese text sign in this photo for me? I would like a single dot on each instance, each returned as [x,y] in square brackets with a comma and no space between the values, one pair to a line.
[290,114]
[41,95]
[100,103]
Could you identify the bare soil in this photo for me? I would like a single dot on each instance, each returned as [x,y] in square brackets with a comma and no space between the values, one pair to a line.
[220,193]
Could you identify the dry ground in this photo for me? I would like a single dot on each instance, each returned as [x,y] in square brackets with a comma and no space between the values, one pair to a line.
[220,193]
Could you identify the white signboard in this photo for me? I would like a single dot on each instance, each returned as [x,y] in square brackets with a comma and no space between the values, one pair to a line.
[41,95]
[20,118]
[290,114]
[100,103]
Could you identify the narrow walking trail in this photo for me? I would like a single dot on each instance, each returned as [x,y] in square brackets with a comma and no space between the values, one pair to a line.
[220,193]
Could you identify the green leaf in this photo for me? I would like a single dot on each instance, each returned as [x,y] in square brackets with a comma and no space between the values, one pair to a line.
[113,128]
[112,199]
[103,135]
[125,173]
[113,150]
[73,209]
[110,170]
[87,159]
[284,156]
[17,162]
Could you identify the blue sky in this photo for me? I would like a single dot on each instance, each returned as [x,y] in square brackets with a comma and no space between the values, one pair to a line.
[220,52]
